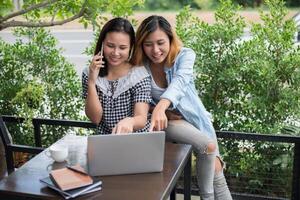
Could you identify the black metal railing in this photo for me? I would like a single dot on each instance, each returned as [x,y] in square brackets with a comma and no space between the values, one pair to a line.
[294,140]
[237,188]
[223,135]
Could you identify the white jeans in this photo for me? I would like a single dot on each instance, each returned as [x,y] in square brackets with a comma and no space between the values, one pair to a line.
[211,185]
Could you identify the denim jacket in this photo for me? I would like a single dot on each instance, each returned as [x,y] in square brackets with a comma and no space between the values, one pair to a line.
[182,93]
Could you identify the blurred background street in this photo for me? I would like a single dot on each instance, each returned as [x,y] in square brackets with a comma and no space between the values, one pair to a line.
[73,38]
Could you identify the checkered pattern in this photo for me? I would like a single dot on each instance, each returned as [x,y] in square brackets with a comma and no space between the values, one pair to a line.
[122,106]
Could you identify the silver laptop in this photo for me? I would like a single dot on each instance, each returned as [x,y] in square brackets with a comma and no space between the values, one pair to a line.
[125,154]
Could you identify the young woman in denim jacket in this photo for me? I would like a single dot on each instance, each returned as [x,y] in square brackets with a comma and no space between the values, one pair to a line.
[178,109]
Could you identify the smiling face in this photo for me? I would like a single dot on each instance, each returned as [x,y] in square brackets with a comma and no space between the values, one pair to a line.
[116,48]
[157,46]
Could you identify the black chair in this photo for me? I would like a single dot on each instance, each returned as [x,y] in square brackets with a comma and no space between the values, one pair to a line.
[10,148]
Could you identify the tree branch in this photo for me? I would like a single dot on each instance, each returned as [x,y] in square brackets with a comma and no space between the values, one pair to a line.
[14,23]
[30,8]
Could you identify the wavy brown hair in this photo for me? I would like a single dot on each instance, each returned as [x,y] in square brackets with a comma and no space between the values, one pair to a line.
[149,25]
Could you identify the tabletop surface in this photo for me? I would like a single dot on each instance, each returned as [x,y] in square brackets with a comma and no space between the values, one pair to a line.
[24,182]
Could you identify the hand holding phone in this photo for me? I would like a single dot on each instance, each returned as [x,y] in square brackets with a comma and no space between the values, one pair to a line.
[96,65]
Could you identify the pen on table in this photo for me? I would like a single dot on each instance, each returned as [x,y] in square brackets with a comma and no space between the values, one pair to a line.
[76,170]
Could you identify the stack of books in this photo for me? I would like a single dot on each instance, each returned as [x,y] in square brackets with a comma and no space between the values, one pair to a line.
[71,182]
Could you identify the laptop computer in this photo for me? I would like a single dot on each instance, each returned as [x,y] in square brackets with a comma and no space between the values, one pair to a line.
[125,154]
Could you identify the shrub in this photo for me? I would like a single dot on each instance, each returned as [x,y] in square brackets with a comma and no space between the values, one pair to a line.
[36,81]
[249,86]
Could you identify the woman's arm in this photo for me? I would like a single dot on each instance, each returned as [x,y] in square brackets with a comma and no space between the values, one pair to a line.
[175,90]
[142,97]
[182,76]
[131,124]
[93,107]
[159,120]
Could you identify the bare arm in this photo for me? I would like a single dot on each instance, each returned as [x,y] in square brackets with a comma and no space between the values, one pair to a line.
[138,121]
[140,115]
[159,119]
[93,107]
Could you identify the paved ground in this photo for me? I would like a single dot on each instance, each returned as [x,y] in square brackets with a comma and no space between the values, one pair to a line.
[207,16]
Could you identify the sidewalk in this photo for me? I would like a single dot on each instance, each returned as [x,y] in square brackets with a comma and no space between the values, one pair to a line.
[206,16]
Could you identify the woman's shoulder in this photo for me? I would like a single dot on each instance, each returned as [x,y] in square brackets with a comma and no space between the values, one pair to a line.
[135,77]
[186,52]
[138,71]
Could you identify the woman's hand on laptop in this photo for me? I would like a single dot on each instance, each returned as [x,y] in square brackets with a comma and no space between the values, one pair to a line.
[124,126]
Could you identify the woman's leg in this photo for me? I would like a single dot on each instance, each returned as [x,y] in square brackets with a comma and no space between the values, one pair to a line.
[220,185]
[205,149]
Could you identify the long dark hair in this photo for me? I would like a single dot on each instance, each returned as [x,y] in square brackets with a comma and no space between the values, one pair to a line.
[115,25]
[149,25]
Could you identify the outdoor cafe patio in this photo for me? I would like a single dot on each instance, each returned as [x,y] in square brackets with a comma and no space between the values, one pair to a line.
[242,185]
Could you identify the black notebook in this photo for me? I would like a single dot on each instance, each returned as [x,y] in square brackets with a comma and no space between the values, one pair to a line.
[96,186]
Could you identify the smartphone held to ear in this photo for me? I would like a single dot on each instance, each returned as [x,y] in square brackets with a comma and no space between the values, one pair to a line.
[101,53]
[101,50]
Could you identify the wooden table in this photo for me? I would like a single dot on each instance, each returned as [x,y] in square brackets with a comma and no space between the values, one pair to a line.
[24,183]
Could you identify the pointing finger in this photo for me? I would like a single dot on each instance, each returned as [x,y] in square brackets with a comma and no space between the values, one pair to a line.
[151,127]
[113,130]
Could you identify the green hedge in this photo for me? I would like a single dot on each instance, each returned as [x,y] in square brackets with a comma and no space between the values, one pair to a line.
[37,81]
[248,86]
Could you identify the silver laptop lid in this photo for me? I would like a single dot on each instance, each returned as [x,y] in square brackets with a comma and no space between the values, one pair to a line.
[126,154]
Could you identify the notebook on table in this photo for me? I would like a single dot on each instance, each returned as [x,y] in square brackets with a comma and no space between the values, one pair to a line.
[67,179]
[125,154]
[71,181]
[68,194]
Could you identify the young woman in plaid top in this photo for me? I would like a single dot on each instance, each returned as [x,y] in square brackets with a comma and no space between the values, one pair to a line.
[117,94]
